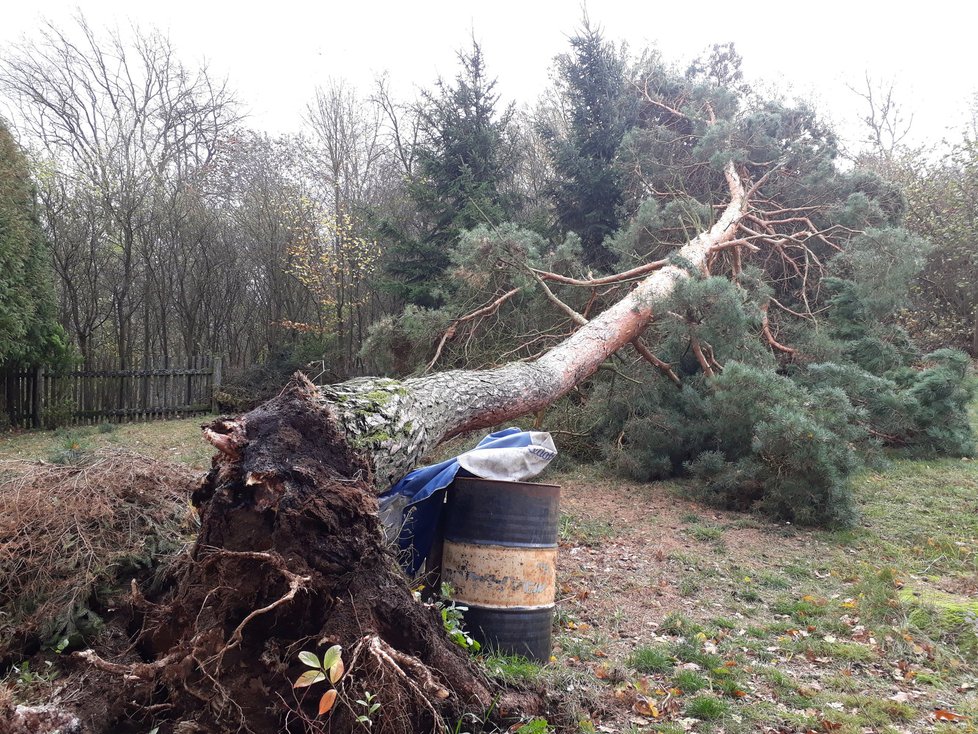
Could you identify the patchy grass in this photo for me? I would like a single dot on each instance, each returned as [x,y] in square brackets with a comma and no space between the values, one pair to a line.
[513,669]
[689,681]
[673,617]
[169,440]
[872,629]
[650,660]
[583,531]
[705,533]
[706,707]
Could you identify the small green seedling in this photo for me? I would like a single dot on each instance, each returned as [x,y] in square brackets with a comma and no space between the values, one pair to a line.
[452,617]
[329,668]
[370,707]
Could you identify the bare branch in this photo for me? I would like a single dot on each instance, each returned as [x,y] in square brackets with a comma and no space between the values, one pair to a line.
[769,337]
[623,277]
[486,310]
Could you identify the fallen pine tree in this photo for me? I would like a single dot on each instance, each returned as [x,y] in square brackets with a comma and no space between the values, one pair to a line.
[290,556]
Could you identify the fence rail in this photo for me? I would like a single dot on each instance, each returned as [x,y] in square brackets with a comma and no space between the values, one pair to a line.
[42,397]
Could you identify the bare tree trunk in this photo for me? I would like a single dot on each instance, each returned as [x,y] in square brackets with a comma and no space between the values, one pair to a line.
[974,336]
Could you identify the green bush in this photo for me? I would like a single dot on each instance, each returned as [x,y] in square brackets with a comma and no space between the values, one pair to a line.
[942,393]
[781,441]
[58,413]
[750,436]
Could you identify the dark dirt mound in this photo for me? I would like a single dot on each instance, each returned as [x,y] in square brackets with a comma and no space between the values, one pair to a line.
[290,558]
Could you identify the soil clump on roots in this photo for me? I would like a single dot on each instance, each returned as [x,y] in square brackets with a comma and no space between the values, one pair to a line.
[290,558]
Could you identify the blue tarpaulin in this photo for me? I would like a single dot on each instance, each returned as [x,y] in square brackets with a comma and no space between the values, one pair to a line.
[411,509]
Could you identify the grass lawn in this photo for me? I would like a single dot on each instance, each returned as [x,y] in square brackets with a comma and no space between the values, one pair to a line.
[677,617]
[173,440]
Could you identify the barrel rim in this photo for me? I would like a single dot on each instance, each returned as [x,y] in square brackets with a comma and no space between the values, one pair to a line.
[498,608]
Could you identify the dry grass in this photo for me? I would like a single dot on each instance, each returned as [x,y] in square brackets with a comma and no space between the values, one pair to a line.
[70,534]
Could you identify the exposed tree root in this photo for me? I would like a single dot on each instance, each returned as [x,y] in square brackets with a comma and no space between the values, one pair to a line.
[131,672]
[290,558]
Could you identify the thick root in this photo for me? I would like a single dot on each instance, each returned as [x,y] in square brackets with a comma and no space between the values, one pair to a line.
[290,557]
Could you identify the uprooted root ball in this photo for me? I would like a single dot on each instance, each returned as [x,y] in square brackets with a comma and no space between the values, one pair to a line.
[290,558]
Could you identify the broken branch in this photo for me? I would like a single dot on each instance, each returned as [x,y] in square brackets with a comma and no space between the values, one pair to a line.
[489,308]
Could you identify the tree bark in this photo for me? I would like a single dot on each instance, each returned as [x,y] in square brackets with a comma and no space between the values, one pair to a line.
[394,423]
[974,336]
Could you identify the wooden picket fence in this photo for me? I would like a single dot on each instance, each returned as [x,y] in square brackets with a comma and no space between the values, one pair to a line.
[42,397]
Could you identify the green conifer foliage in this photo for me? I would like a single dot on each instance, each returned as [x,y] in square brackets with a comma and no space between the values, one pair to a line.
[464,158]
[793,371]
[942,393]
[588,188]
[29,332]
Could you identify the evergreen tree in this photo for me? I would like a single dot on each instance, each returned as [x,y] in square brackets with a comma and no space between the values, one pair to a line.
[588,192]
[29,332]
[464,157]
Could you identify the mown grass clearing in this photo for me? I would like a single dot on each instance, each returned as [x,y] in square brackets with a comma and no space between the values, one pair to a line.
[172,440]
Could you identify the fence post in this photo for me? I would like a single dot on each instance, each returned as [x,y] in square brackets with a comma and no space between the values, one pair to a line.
[188,393]
[36,388]
[215,381]
[7,378]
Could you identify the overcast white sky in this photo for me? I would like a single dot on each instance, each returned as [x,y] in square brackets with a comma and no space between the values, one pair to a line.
[275,53]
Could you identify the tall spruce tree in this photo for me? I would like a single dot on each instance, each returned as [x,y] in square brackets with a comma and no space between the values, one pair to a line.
[778,364]
[463,159]
[29,332]
[588,191]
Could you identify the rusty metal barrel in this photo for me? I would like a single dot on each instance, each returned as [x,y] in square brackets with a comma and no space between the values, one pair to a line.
[500,555]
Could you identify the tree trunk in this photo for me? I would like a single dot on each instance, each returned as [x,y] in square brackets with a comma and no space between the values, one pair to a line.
[395,423]
[290,556]
[974,336]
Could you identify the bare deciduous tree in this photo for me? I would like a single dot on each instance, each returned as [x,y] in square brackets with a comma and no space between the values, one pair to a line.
[121,118]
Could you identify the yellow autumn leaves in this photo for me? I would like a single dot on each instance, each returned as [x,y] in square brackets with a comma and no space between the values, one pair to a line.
[333,261]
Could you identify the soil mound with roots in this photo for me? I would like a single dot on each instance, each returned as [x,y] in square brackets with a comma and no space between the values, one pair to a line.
[289,558]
